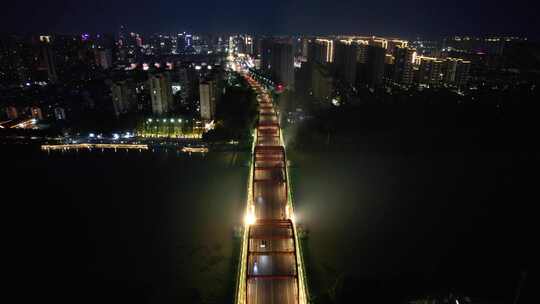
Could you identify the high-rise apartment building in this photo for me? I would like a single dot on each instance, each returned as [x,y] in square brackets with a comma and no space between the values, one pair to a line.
[282,65]
[184,82]
[48,62]
[321,82]
[160,93]
[403,65]
[266,54]
[392,44]
[316,53]
[361,53]
[435,72]
[208,99]
[123,96]
[304,47]
[456,72]
[374,65]
[431,71]
[345,60]
[248,44]
[278,61]
[321,51]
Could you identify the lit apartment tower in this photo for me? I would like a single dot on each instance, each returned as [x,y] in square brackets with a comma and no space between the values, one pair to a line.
[257,46]
[47,61]
[160,93]
[379,42]
[266,54]
[183,80]
[375,61]
[207,95]
[361,53]
[431,71]
[282,64]
[248,43]
[277,59]
[316,53]
[180,43]
[236,43]
[304,47]
[403,65]
[123,96]
[321,82]
[189,40]
[328,47]
[456,72]
[396,43]
[462,73]
[345,59]
[321,51]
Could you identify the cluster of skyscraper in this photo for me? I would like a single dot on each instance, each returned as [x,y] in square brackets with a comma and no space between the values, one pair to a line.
[370,61]
[157,74]
[165,73]
[334,65]
[180,85]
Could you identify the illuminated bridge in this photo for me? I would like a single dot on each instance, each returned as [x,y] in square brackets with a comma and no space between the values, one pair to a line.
[271,267]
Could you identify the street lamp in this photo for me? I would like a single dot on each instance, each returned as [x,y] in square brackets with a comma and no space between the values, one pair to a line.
[249,219]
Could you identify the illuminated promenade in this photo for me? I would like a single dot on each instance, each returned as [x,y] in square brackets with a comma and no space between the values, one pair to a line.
[93,146]
[271,266]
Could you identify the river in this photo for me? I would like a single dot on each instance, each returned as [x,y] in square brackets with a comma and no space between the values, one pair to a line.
[391,227]
[128,227]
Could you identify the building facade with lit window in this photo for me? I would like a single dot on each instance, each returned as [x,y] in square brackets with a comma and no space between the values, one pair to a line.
[160,93]
[403,65]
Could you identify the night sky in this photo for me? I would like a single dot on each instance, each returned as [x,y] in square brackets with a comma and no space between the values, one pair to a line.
[407,18]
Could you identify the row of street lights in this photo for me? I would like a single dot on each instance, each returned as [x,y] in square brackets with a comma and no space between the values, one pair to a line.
[172,120]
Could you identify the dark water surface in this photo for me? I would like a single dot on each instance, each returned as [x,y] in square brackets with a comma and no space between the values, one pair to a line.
[123,227]
[158,227]
[387,227]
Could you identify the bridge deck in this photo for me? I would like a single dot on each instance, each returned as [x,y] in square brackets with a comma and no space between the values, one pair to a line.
[271,261]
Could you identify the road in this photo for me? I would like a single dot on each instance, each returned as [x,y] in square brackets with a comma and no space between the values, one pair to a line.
[271,272]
